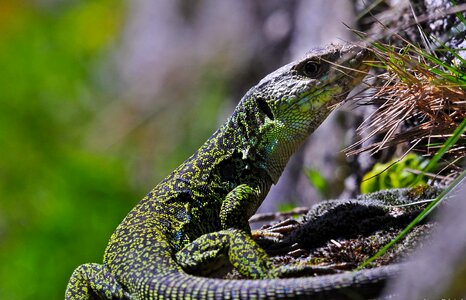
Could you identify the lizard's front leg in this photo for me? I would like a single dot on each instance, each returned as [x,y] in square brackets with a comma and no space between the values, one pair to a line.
[239,205]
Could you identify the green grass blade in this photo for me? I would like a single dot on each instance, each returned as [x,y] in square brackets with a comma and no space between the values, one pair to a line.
[458,15]
[444,149]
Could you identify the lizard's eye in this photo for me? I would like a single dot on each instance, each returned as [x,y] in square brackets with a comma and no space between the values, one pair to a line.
[264,108]
[311,68]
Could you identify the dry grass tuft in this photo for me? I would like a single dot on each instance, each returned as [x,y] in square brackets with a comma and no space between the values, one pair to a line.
[421,101]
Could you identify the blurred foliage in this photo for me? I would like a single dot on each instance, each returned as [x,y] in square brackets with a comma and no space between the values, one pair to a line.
[394,174]
[318,181]
[60,200]
[286,207]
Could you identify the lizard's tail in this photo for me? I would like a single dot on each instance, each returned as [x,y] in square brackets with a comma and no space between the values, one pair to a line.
[351,285]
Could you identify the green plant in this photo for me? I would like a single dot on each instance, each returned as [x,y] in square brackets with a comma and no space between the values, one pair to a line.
[318,181]
[394,174]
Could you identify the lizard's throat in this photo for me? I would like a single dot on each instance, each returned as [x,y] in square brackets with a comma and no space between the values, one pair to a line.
[277,159]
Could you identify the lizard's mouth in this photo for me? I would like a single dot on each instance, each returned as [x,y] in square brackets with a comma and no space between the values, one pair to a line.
[351,68]
[348,72]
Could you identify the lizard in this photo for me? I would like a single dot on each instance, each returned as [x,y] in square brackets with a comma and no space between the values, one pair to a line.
[193,226]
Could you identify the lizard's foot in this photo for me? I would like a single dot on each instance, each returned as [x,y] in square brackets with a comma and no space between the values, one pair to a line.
[92,282]
[274,234]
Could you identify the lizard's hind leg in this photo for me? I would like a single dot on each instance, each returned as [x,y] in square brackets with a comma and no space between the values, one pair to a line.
[92,282]
[212,251]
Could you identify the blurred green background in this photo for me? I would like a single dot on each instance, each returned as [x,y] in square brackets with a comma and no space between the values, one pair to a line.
[60,200]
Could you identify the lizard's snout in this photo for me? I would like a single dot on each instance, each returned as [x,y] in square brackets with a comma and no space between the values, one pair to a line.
[353,65]
[355,57]
[361,56]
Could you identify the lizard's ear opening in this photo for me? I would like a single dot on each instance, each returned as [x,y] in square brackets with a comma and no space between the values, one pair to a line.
[265,108]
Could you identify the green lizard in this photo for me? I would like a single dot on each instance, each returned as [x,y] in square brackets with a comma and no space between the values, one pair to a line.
[195,222]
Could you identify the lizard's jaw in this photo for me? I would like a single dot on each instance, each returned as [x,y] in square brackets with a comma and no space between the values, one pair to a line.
[349,71]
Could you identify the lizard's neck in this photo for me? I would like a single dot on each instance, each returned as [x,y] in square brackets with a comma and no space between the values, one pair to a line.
[255,137]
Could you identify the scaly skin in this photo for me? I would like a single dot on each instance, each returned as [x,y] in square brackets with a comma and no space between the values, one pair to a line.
[195,222]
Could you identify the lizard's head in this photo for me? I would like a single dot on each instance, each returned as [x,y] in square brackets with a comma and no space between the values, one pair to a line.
[294,100]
